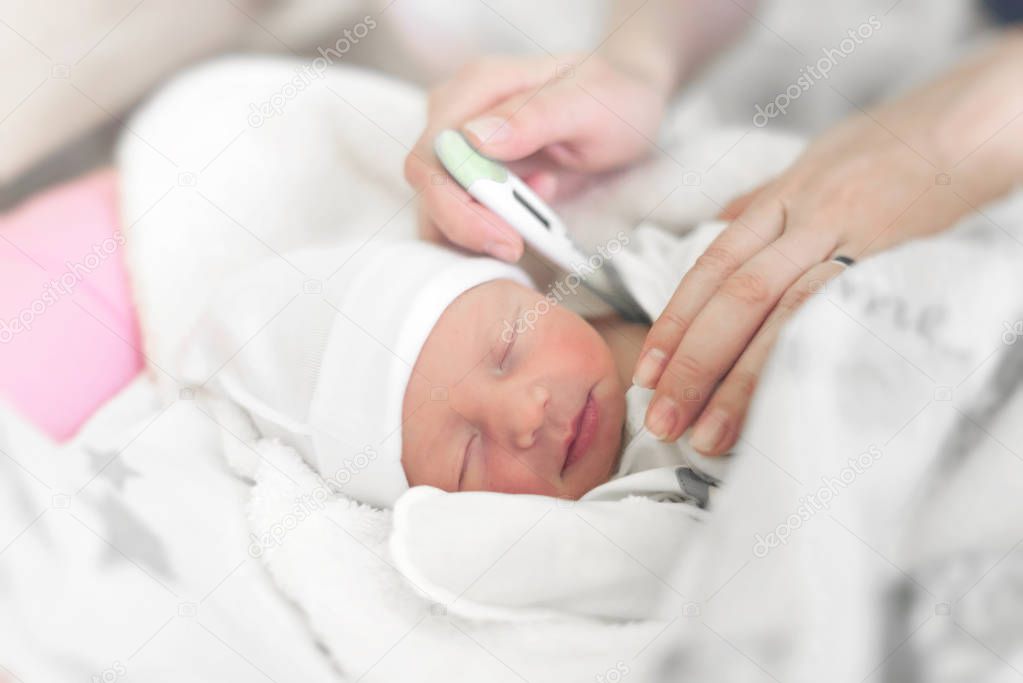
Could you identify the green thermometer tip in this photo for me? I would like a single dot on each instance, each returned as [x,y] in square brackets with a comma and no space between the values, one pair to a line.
[464,163]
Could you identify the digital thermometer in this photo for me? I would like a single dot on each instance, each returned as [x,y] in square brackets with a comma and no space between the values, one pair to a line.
[504,193]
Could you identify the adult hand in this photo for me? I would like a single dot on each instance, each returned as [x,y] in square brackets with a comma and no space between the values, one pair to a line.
[560,119]
[904,170]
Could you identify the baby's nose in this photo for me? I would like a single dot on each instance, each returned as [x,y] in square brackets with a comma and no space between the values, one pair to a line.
[528,415]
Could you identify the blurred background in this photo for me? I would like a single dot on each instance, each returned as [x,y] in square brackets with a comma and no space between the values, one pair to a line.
[73,71]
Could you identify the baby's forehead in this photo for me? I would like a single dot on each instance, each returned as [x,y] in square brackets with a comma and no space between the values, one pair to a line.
[474,325]
[500,289]
[476,317]
[470,320]
[491,304]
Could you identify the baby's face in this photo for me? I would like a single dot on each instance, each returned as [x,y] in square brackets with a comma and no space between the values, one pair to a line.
[512,395]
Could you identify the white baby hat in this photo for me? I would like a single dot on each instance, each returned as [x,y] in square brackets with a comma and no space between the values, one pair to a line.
[317,346]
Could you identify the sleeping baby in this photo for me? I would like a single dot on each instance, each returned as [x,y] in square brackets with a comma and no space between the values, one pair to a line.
[403,363]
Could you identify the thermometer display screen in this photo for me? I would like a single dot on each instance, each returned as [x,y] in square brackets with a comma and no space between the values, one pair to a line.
[531,209]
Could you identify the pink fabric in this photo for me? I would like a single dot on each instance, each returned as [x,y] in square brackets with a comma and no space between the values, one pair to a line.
[69,336]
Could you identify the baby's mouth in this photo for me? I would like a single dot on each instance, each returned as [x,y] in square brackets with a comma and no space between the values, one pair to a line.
[584,429]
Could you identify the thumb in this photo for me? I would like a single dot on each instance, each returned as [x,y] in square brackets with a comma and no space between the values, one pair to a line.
[528,122]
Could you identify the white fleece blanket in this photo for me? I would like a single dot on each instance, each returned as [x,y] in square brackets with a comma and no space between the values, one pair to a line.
[904,372]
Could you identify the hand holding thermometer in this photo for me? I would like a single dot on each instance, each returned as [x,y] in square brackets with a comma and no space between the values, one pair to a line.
[504,193]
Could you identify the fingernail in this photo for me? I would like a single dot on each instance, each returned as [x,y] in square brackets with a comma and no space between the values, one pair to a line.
[489,130]
[502,251]
[649,368]
[709,431]
[662,417]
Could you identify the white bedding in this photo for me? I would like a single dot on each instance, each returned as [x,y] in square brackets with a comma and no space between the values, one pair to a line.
[125,556]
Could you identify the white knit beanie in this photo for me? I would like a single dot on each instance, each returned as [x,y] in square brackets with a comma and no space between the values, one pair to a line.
[318,347]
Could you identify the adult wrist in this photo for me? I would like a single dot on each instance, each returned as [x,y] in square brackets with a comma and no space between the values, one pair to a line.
[980,133]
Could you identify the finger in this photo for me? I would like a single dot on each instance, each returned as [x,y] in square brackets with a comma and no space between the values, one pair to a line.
[720,424]
[572,183]
[734,246]
[421,166]
[735,207]
[555,115]
[543,183]
[428,230]
[552,186]
[447,213]
[724,327]
[483,84]
[478,86]
[554,181]
[470,225]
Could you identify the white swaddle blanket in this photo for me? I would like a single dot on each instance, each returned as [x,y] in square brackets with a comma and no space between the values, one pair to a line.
[415,582]
[266,348]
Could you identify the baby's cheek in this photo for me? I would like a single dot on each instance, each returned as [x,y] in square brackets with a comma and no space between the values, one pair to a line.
[597,361]
[425,452]
[580,348]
